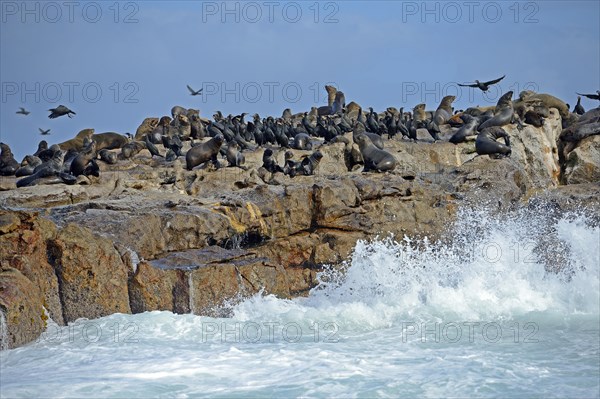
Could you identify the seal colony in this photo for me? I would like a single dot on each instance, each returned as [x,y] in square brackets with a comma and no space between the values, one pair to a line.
[227,137]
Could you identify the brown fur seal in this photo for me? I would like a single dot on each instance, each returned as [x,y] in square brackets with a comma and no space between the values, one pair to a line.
[28,166]
[270,161]
[204,152]
[43,145]
[468,129]
[109,141]
[177,110]
[331,92]
[309,165]
[53,167]
[339,103]
[77,142]
[376,139]
[302,142]
[444,110]
[191,112]
[441,115]
[587,125]
[352,155]
[419,115]
[352,110]
[234,156]
[8,163]
[374,158]
[80,162]
[504,113]
[486,143]
[108,156]
[536,115]
[146,127]
[184,128]
[130,149]
[548,100]
[476,111]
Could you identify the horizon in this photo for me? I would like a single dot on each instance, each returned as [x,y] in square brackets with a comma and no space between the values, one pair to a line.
[256,58]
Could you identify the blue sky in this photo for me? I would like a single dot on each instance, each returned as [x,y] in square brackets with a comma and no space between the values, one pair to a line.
[115,63]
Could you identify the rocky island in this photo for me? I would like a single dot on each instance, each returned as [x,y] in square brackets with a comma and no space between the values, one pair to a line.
[148,234]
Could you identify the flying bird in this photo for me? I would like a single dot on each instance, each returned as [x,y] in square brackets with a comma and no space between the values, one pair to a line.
[60,111]
[44,132]
[483,86]
[194,92]
[592,96]
[23,111]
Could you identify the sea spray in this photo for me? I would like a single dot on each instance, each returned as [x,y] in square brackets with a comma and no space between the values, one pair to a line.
[487,268]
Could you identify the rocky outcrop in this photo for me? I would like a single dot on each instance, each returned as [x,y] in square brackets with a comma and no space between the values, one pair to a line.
[149,235]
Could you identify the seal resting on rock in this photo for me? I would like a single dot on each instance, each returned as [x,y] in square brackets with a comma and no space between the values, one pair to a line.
[309,165]
[468,129]
[302,142]
[109,141]
[53,167]
[28,166]
[8,163]
[81,161]
[486,143]
[76,143]
[204,152]
[108,156]
[374,158]
[269,161]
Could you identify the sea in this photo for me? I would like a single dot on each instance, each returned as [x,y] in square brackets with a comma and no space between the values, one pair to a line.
[507,305]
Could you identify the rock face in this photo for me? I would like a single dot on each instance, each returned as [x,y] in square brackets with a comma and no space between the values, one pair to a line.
[22,317]
[581,164]
[91,275]
[23,246]
[149,235]
[536,150]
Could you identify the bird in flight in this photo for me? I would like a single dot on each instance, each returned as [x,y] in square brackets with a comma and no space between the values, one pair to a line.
[44,132]
[23,111]
[483,86]
[60,111]
[592,96]
[194,92]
